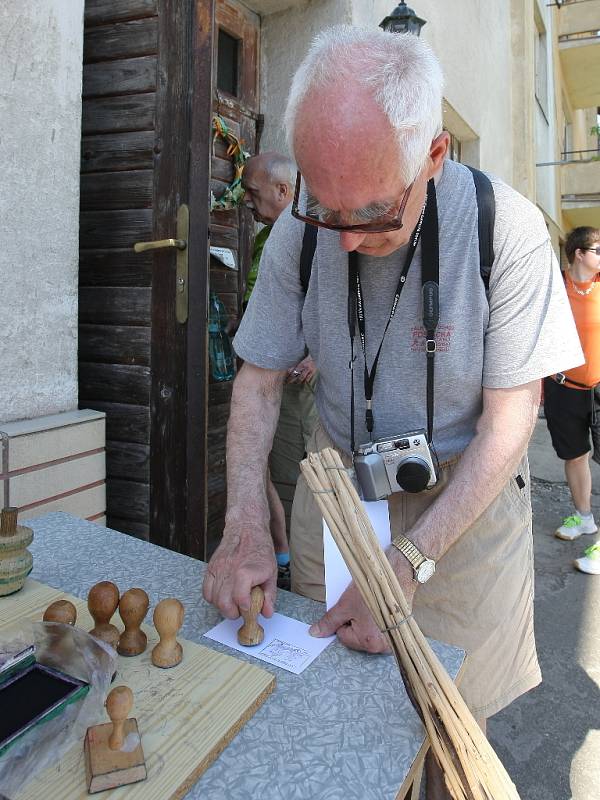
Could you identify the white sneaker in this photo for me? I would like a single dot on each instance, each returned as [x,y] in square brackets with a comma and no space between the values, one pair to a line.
[574,526]
[590,561]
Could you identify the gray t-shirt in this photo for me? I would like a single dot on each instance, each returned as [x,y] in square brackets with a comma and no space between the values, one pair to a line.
[522,332]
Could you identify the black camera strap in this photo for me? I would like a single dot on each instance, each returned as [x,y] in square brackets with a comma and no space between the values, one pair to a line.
[427,231]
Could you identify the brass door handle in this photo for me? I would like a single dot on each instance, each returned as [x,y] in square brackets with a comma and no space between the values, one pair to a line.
[181,268]
[160,244]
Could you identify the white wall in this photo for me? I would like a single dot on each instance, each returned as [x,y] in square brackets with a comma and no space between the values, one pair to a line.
[285,38]
[546,133]
[472,43]
[40,113]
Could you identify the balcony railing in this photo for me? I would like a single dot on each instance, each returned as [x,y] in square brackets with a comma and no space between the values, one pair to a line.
[573,157]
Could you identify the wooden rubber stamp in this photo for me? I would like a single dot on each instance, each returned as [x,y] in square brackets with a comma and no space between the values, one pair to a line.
[133,607]
[61,611]
[113,751]
[103,600]
[168,619]
[251,633]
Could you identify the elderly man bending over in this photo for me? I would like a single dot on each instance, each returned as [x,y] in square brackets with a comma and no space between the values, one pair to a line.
[365,126]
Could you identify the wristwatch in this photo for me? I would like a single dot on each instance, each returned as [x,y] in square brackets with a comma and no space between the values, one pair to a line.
[423,567]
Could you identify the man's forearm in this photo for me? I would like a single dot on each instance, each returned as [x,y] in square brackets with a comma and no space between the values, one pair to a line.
[255,403]
[487,464]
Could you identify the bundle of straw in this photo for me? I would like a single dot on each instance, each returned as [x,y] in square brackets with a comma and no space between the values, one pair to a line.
[471,768]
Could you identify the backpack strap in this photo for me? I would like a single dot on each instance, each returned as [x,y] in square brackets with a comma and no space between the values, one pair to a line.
[486,216]
[309,244]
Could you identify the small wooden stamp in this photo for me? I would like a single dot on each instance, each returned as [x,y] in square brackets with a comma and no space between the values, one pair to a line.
[168,619]
[61,611]
[103,600]
[133,607]
[113,751]
[251,633]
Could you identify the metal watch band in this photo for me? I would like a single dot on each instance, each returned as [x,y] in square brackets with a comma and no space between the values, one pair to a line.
[408,549]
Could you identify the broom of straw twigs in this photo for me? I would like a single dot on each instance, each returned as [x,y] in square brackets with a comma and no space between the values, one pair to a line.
[471,768]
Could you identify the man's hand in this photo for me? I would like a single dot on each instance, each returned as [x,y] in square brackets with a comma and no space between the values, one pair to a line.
[302,372]
[351,619]
[244,559]
[353,623]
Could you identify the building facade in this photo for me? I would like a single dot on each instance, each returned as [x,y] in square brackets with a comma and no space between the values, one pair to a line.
[107,110]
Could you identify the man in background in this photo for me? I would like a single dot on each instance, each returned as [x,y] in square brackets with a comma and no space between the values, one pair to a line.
[570,402]
[268,180]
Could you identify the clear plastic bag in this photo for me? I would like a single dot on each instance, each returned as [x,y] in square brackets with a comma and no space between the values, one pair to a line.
[75,652]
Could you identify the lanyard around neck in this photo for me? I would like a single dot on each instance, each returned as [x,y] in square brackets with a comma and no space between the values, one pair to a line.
[427,231]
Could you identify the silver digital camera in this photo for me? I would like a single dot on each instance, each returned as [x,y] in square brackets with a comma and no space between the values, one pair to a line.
[402,463]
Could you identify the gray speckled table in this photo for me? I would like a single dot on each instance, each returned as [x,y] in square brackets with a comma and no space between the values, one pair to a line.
[344,729]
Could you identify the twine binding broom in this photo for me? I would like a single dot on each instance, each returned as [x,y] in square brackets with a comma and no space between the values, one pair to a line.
[471,768]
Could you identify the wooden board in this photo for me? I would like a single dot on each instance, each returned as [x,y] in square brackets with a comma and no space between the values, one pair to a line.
[186,715]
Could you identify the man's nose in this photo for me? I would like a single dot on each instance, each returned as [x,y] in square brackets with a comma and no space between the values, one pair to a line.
[351,241]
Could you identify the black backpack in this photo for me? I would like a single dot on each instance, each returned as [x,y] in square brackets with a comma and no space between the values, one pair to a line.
[486,215]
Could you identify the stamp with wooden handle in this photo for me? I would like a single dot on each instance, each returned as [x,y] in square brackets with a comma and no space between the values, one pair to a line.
[251,633]
[103,600]
[133,607]
[168,619]
[61,611]
[113,751]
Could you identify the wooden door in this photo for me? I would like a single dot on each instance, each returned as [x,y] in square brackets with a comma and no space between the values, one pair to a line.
[145,151]
[235,98]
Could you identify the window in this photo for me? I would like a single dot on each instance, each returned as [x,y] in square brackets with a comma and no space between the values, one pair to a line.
[541,71]
[227,63]
[455,149]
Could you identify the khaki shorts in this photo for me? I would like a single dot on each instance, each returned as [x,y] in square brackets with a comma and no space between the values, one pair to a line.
[297,420]
[481,596]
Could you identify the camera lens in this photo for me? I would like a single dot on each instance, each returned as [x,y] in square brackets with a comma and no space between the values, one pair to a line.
[413,475]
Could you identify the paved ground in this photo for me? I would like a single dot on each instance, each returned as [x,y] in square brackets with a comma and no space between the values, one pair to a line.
[549,740]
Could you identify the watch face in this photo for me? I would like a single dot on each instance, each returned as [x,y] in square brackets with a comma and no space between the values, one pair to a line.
[425,571]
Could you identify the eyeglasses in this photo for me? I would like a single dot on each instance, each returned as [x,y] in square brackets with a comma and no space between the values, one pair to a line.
[593,250]
[386,222]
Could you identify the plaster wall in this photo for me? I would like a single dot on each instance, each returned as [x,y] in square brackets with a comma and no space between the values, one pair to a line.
[285,38]
[472,43]
[546,133]
[41,45]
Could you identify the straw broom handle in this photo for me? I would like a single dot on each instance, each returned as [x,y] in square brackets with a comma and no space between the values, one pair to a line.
[353,513]
[434,663]
[342,475]
[325,503]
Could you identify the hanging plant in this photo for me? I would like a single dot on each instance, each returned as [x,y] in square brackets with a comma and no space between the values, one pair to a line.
[233,194]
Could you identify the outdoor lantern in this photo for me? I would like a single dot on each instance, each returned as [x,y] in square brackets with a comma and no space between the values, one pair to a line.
[402,20]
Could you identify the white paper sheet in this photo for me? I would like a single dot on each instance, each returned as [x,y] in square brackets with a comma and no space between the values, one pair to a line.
[287,643]
[337,575]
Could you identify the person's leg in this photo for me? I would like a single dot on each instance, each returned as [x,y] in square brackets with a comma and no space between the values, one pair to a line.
[579,478]
[277,521]
[436,786]
[569,418]
[288,448]
[279,536]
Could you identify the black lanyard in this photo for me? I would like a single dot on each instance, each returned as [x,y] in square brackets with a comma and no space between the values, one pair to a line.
[427,231]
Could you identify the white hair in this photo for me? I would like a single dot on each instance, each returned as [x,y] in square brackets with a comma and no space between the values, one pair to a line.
[401,71]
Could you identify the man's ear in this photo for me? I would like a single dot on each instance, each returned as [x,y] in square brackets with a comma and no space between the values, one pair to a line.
[283,192]
[437,152]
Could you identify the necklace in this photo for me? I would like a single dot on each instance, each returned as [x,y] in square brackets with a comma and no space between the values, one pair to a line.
[582,292]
